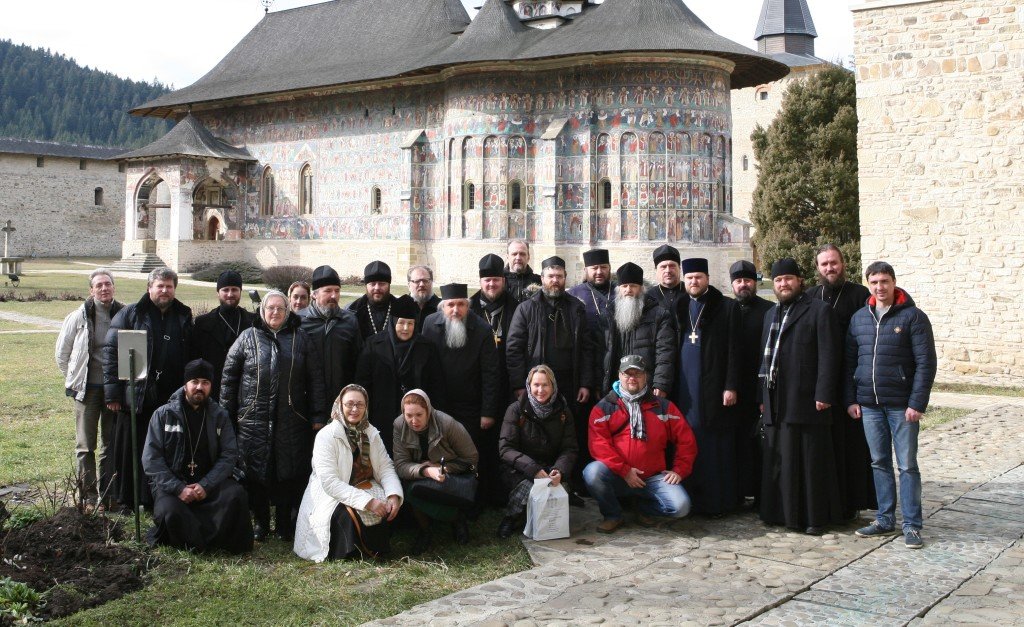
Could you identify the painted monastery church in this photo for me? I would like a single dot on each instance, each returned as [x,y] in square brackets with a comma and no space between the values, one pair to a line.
[401,130]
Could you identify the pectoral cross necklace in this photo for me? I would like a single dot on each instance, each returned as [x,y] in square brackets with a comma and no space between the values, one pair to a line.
[693,325]
[195,447]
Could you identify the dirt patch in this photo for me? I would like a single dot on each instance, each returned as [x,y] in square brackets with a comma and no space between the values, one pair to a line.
[76,558]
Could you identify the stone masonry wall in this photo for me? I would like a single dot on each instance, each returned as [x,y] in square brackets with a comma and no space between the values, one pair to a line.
[939,87]
[53,207]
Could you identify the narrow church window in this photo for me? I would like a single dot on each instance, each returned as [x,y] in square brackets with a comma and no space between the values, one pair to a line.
[267,193]
[746,163]
[120,167]
[81,164]
[97,196]
[469,196]
[39,162]
[515,195]
[604,194]
[375,199]
[306,190]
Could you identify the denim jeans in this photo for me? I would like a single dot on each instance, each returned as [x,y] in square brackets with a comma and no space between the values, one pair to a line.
[657,498]
[886,428]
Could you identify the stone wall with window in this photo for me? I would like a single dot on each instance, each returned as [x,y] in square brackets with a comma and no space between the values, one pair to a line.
[939,87]
[52,202]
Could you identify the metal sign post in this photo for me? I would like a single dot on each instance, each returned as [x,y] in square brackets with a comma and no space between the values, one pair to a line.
[132,349]
[135,444]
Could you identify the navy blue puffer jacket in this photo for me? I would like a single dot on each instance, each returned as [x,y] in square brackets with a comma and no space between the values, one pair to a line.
[893,358]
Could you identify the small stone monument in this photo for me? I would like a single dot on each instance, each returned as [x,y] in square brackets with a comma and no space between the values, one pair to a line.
[8,264]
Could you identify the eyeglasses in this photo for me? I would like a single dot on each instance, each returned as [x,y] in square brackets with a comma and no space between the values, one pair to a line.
[419,281]
[276,309]
[353,405]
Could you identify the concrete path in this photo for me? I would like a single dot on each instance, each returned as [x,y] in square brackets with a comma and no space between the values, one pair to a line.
[27,319]
[735,570]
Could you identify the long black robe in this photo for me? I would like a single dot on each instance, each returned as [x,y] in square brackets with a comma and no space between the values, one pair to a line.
[853,458]
[748,413]
[668,298]
[373,318]
[213,335]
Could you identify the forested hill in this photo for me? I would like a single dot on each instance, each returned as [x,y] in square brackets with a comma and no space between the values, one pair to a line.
[49,97]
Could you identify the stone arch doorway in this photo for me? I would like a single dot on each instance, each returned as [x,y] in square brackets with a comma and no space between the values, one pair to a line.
[152,208]
[213,228]
[213,202]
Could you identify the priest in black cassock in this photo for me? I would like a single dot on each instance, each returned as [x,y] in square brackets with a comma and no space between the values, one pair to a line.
[596,292]
[189,457]
[853,459]
[215,332]
[799,386]
[669,287]
[751,309]
[373,309]
[705,389]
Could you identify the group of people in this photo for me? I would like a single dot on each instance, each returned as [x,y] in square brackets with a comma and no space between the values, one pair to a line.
[678,396]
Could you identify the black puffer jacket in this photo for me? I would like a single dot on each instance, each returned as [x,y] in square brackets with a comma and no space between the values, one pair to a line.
[654,339]
[274,393]
[528,444]
[893,358]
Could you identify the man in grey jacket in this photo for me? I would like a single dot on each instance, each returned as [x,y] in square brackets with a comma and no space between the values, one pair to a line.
[79,355]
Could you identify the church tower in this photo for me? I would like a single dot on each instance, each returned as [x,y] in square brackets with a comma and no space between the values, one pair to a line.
[785,26]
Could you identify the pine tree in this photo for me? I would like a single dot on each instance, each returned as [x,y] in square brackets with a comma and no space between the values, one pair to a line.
[807,190]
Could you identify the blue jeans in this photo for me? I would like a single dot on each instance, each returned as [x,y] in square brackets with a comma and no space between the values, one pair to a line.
[886,428]
[657,498]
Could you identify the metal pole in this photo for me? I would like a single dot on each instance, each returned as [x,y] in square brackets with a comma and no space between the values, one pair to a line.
[135,443]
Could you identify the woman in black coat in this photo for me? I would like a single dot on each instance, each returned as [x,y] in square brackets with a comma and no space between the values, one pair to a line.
[395,361]
[273,390]
[538,440]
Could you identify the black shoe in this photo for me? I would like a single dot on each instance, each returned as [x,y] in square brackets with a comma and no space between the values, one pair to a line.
[422,543]
[814,531]
[575,500]
[461,532]
[507,527]
[259,532]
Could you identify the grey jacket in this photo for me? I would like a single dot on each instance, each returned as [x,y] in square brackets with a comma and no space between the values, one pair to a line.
[446,438]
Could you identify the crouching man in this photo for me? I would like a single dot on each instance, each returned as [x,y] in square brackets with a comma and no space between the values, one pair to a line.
[630,430]
[189,457]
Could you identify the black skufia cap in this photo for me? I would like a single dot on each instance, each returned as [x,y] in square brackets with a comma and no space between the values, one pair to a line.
[405,307]
[491,266]
[665,253]
[629,272]
[324,276]
[595,257]
[786,265]
[454,291]
[742,270]
[377,271]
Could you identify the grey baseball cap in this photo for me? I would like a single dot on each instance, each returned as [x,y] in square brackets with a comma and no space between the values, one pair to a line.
[632,362]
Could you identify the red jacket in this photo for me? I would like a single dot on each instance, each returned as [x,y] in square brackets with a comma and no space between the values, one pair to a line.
[611,443]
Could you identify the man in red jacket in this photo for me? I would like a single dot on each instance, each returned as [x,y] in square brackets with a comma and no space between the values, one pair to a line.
[630,430]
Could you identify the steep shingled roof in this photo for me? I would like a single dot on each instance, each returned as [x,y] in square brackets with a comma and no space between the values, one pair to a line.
[189,138]
[785,17]
[352,41]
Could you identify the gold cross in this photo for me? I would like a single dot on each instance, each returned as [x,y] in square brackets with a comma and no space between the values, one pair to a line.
[192,469]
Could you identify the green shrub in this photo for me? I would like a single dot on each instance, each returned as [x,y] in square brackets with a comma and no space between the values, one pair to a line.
[282,277]
[22,517]
[17,600]
[249,272]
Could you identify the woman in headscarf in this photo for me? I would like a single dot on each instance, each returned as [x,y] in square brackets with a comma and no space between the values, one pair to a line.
[436,460]
[395,361]
[538,440]
[353,493]
[273,391]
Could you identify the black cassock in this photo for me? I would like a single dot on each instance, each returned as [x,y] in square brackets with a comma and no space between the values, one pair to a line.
[798,480]
[853,459]
[748,414]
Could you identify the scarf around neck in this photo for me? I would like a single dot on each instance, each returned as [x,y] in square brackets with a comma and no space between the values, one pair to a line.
[637,428]
[357,436]
[543,410]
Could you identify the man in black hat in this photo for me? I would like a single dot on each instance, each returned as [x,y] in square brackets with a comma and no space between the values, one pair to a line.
[596,292]
[333,330]
[495,304]
[798,374]
[706,385]
[853,459]
[669,287]
[551,328]
[189,457]
[373,310]
[519,276]
[640,326]
[751,309]
[215,332]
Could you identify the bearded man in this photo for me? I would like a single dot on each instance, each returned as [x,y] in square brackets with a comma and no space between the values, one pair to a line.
[373,309]
[215,332]
[669,287]
[333,330]
[421,290]
[596,292]
[640,326]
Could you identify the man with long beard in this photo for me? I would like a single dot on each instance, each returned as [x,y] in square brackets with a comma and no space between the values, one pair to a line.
[333,330]
[469,363]
[640,326]
[215,332]
[798,374]
[373,309]
[705,388]
[750,308]
[853,459]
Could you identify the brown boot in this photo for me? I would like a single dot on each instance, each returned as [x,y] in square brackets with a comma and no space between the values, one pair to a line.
[609,525]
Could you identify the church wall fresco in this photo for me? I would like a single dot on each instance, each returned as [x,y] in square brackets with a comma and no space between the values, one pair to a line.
[659,133]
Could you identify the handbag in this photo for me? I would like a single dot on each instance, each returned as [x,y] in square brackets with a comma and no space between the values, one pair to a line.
[376,490]
[455,490]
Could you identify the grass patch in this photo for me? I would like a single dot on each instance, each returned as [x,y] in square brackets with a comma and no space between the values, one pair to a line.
[936,416]
[972,388]
[9,325]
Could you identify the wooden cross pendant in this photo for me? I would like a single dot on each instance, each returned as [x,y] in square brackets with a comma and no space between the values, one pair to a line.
[192,469]
[693,337]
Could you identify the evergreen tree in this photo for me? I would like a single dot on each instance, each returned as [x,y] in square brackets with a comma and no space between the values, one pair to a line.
[807,191]
[49,97]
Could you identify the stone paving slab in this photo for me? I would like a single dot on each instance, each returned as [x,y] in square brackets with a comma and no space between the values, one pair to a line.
[974,523]
[1004,511]
[801,614]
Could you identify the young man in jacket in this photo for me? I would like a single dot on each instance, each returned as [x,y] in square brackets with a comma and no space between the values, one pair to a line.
[79,354]
[630,430]
[890,351]
[189,457]
[215,332]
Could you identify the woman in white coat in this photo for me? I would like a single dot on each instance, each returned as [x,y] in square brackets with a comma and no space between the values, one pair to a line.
[353,493]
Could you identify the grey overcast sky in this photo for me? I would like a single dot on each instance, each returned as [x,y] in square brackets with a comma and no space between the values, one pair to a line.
[177,42]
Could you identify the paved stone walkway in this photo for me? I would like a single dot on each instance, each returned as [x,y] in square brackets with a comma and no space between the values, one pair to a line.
[701,571]
[27,319]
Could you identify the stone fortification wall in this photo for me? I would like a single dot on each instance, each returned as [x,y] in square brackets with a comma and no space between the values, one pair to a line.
[939,87]
[53,207]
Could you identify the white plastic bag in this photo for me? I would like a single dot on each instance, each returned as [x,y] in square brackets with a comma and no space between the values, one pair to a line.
[547,511]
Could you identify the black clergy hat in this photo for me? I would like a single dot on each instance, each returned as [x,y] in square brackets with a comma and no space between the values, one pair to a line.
[595,257]
[552,261]
[324,276]
[198,369]
[629,272]
[491,265]
[405,307]
[695,264]
[454,291]
[742,270]
[376,271]
[665,253]
[786,265]
[229,278]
